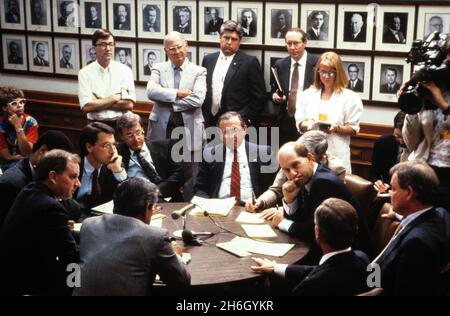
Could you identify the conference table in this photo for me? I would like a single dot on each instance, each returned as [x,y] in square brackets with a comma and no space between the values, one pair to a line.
[213,267]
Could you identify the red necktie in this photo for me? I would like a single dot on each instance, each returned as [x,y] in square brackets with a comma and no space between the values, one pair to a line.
[235,187]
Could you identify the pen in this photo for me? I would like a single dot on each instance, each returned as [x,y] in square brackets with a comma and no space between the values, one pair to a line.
[253,198]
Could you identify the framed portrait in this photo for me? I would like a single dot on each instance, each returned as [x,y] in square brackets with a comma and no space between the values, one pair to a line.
[14,52]
[148,55]
[270,58]
[92,16]
[395,28]
[121,18]
[318,22]
[212,14]
[358,70]
[38,15]
[355,27]
[192,54]
[432,18]
[388,76]
[182,17]
[40,53]
[67,52]
[203,51]
[12,14]
[125,53]
[151,19]
[66,16]
[279,21]
[250,15]
[87,52]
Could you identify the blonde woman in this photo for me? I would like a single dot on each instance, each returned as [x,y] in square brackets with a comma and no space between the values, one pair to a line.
[328,106]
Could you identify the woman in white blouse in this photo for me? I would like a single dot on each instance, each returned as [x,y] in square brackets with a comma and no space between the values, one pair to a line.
[327,105]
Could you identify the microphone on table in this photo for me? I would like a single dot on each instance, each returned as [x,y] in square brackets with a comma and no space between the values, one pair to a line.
[182,212]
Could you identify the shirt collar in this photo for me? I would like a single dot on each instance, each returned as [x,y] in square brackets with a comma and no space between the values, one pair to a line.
[107,69]
[222,56]
[241,149]
[144,149]
[408,219]
[183,66]
[331,254]
[301,62]
[88,168]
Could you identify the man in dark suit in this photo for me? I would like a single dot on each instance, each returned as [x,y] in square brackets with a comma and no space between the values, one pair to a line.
[296,43]
[17,177]
[149,159]
[122,20]
[213,27]
[64,62]
[282,24]
[151,58]
[93,16]
[234,80]
[151,17]
[341,271]
[315,32]
[121,253]
[184,20]
[356,31]
[393,34]
[308,185]
[391,86]
[40,60]
[354,82]
[38,13]
[236,161]
[101,166]
[413,259]
[12,14]
[35,238]
[14,53]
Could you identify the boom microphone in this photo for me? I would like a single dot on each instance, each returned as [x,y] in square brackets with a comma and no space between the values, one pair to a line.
[182,212]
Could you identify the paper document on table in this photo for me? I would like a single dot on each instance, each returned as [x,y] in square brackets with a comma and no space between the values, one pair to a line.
[219,207]
[260,247]
[106,208]
[156,222]
[234,247]
[259,231]
[249,218]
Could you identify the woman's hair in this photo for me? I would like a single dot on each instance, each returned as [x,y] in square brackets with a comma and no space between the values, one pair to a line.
[331,59]
[8,94]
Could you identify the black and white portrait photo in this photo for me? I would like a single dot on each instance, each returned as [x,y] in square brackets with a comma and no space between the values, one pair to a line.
[151,18]
[67,13]
[182,19]
[14,51]
[436,22]
[395,28]
[355,29]
[12,11]
[38,12]
[248,17]
[391,78]
[66,53]
[123,56]
[355,74]
[122,16]
[318,21]
[213,20]
[92,15]
[40,54]
[281,22]
[150,57]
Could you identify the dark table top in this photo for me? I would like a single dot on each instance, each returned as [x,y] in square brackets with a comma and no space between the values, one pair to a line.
[211,265]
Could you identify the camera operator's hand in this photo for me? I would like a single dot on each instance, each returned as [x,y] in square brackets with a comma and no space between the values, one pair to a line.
[436,93]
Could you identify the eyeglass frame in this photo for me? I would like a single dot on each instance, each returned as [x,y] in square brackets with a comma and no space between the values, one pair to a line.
[104,45]
[108,145]
[138,133]
[330,74]
[16,102]
[175,49]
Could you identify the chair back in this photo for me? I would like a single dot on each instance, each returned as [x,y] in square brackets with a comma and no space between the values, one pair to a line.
[363,191]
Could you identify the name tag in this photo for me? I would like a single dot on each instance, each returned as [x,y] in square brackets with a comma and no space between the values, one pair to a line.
[445,135]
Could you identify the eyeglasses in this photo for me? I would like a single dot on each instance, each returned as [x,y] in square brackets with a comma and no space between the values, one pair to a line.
[136,134]
[108,146]
[330,74]
[17,102]
[175,49]
[103,45]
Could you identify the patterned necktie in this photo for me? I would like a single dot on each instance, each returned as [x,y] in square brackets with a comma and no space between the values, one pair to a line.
[235,184]
[176,77]
[96,191]
[149,171]
[293,91]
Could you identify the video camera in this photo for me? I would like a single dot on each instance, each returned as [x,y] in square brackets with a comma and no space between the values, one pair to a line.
[429,57]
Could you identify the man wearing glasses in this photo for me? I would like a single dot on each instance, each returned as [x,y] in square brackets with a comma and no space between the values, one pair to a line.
[105,87]
[149,159]
[296,74]
[354,83]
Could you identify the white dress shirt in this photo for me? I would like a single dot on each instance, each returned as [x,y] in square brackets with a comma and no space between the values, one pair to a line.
[218,78]
[246,183]
[301,72]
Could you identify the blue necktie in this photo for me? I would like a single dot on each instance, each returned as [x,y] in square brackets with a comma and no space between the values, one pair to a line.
[176,77]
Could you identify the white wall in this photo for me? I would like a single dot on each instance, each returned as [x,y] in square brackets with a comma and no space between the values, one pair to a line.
[372,114]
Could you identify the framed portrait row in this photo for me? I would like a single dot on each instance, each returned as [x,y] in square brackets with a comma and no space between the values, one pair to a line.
[327,25]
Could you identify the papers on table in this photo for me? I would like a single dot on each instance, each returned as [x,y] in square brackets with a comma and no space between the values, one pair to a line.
[186,257]
[220,207]
[249,218]
[106,208]
[244,246]
[259,231]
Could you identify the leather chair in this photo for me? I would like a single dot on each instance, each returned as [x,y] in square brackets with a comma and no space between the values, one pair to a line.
[362,189]
[384,229]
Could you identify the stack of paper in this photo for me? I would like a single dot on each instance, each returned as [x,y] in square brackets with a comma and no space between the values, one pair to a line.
[244,246]
[249,218]
[259,231]
[106,208]
[218,207]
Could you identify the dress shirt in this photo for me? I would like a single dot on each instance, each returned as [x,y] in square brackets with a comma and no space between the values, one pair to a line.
[301,73]
[134,168]
[220,71]
[246,183]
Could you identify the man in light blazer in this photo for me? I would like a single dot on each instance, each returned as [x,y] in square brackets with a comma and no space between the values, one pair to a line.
[178,89]
[296,43]
[235,80]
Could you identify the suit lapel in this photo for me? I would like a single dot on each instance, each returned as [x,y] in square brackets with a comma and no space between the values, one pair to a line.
[234,66]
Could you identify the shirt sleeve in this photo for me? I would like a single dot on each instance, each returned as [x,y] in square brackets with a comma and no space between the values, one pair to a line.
[84,90]
[353,110]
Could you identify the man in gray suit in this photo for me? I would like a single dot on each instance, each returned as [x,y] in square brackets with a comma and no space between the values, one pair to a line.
[178,89]
[121,253]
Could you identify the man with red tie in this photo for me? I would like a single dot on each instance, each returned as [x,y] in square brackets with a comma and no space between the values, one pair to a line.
[233,167]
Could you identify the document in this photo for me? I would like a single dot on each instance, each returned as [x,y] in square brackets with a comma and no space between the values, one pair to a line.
[259,231]
[156,222]
[219,207]
[106,208]
[234,247]
[249,218]
[244,246]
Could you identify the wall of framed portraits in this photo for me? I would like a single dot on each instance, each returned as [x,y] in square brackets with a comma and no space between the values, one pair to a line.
[44,43]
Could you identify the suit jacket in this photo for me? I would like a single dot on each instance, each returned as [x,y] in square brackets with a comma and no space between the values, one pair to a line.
[62,64]
[384,157]
[166,168]
[361,37]
[120,255]
[388,37]
[35,232]
[95,24]
[280,31]
[343,274]
[359,86]
[385,88]
[412,262]
[147,70]
[243,90]
[160,89]
[324,185]
[211,27]
[155,27]
[288,130]
[311,35]
[210,174]
[14,59]
[38,62]
[125,25]
[184,30]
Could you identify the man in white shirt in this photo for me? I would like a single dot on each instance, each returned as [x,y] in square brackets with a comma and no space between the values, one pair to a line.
[105,87]
[341,271]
